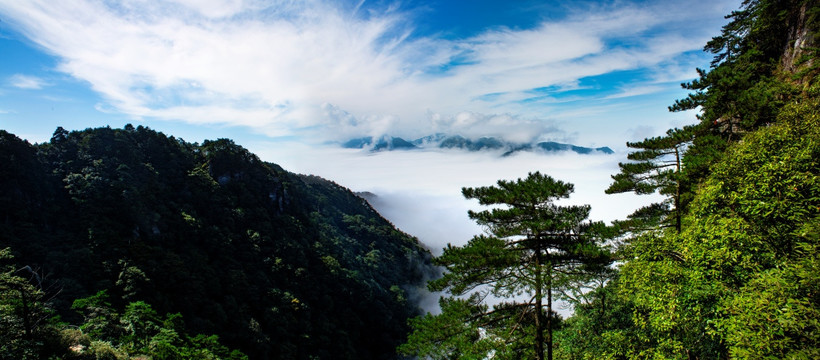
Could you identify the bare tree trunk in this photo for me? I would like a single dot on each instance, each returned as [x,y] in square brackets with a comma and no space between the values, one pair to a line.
[549,311]
[539,326]
[677,190]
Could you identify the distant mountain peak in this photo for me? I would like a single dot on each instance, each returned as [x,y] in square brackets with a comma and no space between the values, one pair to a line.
[484,143]
[554,146]
[378,144]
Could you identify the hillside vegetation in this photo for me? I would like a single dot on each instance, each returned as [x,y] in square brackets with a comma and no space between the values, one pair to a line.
[728,266]
[725,267]
[156,238]
[144,244]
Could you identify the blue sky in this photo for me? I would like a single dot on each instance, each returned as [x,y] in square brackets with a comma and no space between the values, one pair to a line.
[588,72]
[285,77]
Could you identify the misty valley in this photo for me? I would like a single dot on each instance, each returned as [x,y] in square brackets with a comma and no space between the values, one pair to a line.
[130,243]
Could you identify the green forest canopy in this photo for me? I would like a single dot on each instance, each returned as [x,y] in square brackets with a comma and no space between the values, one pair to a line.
[727,266]
[127,242]
[277,265]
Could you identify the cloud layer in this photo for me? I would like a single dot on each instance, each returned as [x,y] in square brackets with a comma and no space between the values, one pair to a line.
[420,191]
[326,69]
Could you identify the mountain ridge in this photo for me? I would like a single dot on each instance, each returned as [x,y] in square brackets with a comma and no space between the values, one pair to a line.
[484,143]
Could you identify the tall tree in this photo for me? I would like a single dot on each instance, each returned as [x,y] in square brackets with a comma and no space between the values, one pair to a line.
[740,279]
[532,248]
[764,59]
[655,167]
[742,90]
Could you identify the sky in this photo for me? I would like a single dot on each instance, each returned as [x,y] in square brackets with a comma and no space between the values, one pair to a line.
[289,80]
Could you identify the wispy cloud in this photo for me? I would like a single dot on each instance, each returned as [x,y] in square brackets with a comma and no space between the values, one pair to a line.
[27,82]
[302,68]
[637,91]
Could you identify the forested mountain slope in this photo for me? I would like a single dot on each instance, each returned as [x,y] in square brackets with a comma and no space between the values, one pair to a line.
[278,265]
[727,267]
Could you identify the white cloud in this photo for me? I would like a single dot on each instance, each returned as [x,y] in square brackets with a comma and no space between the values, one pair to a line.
[27,82]
[216,8]
[420,191]
[276,67]
[321,70]
[512,128]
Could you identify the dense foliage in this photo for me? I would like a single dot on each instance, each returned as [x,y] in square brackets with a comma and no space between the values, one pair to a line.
[739,278]
[124,233]
[277,265]
[765,58]
[31,330]
[727,267]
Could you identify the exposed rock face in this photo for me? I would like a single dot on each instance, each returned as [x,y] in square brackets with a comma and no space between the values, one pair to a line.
[803,29]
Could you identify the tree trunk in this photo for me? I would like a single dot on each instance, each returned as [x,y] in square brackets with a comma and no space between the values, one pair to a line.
[677,189]
[539,325]
[549,311]
[599,325]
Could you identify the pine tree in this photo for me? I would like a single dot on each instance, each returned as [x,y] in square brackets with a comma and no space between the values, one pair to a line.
[764,59]
[655,167]
[742,90]
[532,248]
